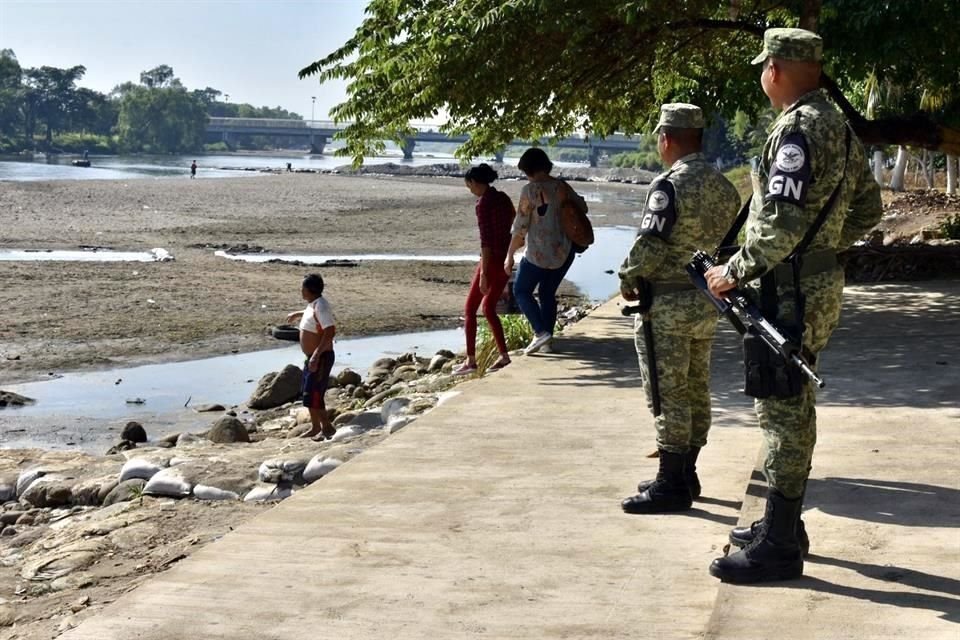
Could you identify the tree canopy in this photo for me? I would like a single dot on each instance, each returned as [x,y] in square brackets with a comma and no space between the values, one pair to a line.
[506,69]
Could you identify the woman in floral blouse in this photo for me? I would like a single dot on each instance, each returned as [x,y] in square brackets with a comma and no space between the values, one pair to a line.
[548,253]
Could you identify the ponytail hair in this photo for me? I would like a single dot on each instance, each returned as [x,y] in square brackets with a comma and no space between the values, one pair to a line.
[484,174]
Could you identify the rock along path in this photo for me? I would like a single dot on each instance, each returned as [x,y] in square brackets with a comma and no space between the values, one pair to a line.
[497,515]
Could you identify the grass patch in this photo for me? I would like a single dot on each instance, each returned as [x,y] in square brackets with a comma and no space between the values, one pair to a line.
[516,332]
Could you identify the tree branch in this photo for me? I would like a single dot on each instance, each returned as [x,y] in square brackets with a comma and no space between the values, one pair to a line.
[916,130]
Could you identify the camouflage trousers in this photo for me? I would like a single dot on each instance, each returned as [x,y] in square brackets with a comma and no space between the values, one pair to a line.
[683,376]
[789,425]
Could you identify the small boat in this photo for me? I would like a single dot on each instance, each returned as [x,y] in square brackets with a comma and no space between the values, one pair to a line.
[81,163]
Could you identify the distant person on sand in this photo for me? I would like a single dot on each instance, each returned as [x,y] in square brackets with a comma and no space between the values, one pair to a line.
[495,214]
[193,170]
[289,167]
[549,252]
[317,328]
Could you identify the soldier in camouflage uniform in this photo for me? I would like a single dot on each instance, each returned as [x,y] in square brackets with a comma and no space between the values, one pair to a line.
[810,154]
[688,207]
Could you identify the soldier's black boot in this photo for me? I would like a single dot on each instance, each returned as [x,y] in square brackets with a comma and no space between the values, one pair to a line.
[742,536]
[689,472]
[774,553]
[668,492]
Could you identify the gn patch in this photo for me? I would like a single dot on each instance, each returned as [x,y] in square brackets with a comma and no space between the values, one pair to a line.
[660,212]
[790,171]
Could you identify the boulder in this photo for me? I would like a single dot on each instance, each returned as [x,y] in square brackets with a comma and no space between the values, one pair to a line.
[348,377]
[345,418]
[169,482]
[125,491]
[49,491]
[171,439]
[275,389]
[8,489]
[265,492]
[383,395]
[228,429]
[318,467]
[134,432]
[28,477]
[186,439]
[360,393]
[90,492]
[436,364]
[205,408]
[10,517]
[206,492]
[10,399]
[105,490]
[422,404]
[123,445]
[139,468]
[277,471]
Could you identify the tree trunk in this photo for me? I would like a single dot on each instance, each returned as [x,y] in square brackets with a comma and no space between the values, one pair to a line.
[953,163]
[899,170]
[878,166]
[810,14]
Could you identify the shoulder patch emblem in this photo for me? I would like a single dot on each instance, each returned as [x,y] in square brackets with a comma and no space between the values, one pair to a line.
[658,200]
[790,157]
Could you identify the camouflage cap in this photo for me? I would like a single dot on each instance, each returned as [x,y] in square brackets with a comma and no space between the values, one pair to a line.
[791,44]
[680,115]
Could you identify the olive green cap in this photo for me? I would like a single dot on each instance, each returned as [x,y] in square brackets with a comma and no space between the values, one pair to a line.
[680,115]
[791,44]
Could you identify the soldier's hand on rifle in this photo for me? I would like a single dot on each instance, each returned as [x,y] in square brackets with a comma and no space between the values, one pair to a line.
[717,282]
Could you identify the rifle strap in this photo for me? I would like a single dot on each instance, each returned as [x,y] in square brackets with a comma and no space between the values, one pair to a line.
[730,239]
[795,259]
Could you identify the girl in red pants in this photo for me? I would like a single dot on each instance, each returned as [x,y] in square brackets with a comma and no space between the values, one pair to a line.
[495,214]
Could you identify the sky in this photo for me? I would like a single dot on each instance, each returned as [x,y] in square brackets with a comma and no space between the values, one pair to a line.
[248,49]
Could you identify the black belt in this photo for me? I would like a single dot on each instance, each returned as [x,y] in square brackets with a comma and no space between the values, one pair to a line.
[812,263]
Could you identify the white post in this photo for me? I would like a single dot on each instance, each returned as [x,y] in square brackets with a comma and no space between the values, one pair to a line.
[953,163]
[878,166]
[899,170]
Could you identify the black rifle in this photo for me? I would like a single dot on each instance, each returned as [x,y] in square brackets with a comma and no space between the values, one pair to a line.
[643,309]
[746,317]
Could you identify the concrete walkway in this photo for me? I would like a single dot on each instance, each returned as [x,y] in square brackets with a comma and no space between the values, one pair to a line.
[497,515]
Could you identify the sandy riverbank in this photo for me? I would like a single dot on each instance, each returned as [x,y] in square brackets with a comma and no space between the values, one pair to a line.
[68,316]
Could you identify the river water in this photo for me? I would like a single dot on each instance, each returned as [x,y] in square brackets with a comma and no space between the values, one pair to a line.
[208,166]
[83,408]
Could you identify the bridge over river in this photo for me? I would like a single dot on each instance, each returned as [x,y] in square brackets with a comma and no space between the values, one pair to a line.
[319,132]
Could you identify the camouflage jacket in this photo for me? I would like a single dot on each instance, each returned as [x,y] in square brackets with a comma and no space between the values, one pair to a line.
[803,161]
[689,207]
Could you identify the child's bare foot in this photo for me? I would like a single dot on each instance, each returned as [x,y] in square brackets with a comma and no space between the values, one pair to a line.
[326,434]
[314,431]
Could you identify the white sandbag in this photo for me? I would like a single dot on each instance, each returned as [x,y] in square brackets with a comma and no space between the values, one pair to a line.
[399,422]
[206,492]
[393,407]
[168,482]
[345,432]
[277,470]
[139,468]
[319,467]
[27,477]
[265,492]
